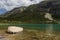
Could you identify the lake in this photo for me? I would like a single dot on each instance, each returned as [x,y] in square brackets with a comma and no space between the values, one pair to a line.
[42,27]
[55,28]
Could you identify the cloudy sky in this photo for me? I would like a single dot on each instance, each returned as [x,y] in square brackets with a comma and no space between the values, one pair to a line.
[7,5]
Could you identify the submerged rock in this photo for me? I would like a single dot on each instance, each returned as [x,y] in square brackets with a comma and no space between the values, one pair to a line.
[14,29]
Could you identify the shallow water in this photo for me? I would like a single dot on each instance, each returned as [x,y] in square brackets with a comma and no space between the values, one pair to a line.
[52,28]
[49,28]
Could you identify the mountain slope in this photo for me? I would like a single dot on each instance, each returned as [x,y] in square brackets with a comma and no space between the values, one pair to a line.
[33,13]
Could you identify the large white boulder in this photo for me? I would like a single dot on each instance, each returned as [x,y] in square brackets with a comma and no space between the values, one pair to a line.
[14,29]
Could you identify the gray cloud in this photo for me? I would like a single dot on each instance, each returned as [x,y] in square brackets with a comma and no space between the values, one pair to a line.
[52,0]
[10,4]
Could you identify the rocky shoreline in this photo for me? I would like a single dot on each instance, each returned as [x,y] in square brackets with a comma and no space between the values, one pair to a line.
[29,34]
[39,35]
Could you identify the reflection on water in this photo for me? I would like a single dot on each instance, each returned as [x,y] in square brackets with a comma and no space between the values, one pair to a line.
[49,29]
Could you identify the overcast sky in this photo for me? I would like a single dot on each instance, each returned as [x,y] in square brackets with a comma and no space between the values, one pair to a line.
[7,5]
[10,4]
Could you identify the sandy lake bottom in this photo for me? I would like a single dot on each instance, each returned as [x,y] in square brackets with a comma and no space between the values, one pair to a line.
[28,34]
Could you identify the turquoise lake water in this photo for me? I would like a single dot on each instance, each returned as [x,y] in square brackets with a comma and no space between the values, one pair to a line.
[41,27]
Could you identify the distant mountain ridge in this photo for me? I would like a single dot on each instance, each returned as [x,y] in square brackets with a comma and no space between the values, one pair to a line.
[21,9]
